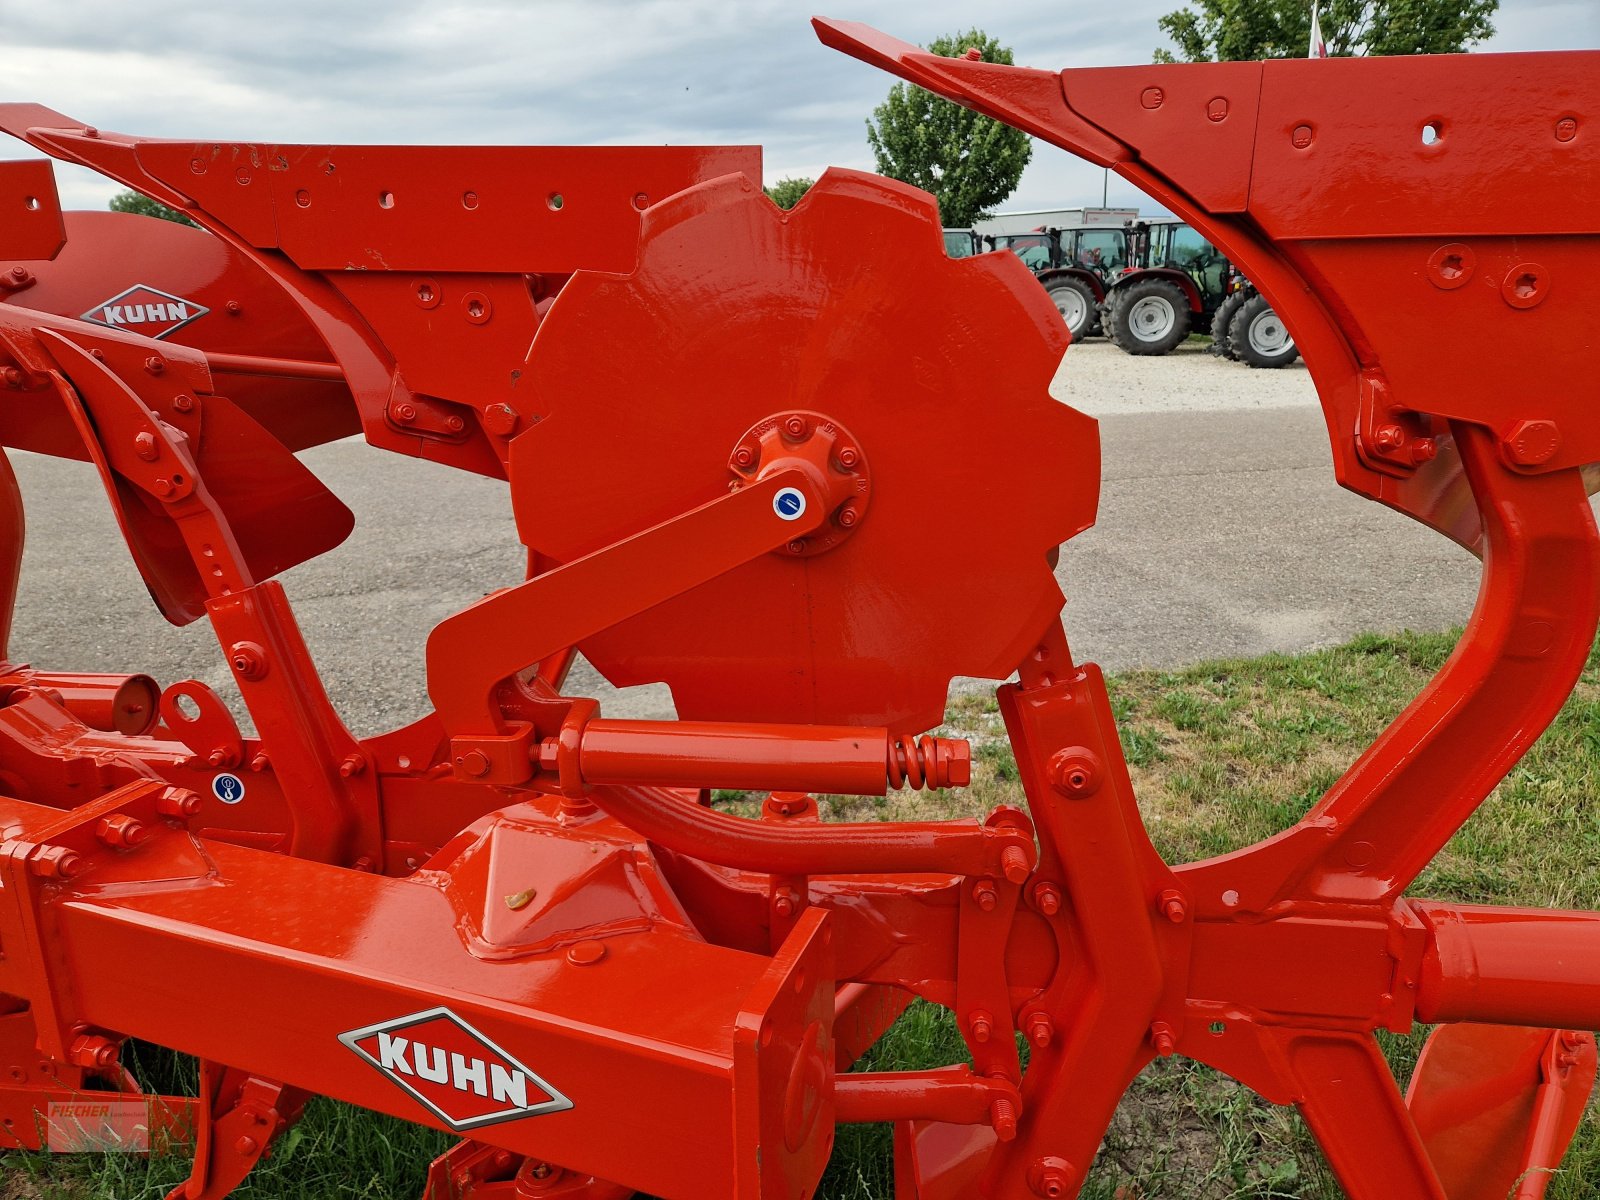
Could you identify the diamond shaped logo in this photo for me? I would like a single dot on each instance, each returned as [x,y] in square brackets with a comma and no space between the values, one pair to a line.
[453,1071]
[145,310]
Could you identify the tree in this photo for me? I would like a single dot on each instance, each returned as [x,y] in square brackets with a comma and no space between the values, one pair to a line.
[969,162]
[138,202]
[1228,30]
[786,193]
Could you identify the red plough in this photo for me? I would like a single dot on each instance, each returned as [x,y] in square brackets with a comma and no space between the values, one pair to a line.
[805,469]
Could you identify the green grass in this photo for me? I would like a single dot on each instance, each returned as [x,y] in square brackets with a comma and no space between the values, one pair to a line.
[1222,754]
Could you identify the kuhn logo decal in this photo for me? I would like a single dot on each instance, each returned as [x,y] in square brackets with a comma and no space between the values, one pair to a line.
[455,1072]
[146,310]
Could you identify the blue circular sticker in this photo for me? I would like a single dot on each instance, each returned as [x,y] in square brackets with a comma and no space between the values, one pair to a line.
[228,788]
[789,503]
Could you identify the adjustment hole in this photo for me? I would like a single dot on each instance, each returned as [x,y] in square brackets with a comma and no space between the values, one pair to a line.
[385,199]
[1218,1028]
[556,201]
[31,203]
[425,293]
[1431,133]
[474,308]
[188,707]
[469,200]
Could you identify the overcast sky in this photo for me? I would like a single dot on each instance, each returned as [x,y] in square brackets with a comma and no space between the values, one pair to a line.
[562,71]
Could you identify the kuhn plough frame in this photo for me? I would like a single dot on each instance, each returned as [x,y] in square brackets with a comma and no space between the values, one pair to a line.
[805,469]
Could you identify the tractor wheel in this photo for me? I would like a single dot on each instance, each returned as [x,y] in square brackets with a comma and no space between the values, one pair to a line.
[1259,336]
[1150,317]
[1221,335]
[1076,303]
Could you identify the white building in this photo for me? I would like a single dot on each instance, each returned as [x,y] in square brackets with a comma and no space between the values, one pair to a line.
[1043,218]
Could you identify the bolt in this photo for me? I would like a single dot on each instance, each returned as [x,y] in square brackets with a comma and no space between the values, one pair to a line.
[1014,864]
[14,377]
[795,427]
[1047,898]
[260,762]
[783,903]
[405,413]
[1424,450]
[586,954]
[1173,907]
[1531,443]
[848,516]
[120,831]
[248,660]
[93,1051]
[19,272]
[1040,1029]
[797,546]
[55,862]
[1050,1177]
[848,456]
[183,404]
[539,1170]
[1165,1041]
[353,765]
[743,456]
[178,802]
[1566,1059]
[1152,97]
[155,365]
[454,424]
[1003,1117]
[500,420]
[366,864]
[234,308]
[787,804]
[984,894]
[1302,137]
[163,488]
[1076,772]
[1566,129]
[246,1145]
[1526,285]
[144,445]
[981,1026]
[972,54]
[218,757]
[1388,437]
[1571,1039]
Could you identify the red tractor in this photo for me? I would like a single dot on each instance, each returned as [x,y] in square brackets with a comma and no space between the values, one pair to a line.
[1076,264]
[1173,286]
[1247,329]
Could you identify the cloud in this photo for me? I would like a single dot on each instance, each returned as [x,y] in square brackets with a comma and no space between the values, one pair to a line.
[560,71]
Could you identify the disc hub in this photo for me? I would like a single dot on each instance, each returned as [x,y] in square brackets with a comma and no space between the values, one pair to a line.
[827,452]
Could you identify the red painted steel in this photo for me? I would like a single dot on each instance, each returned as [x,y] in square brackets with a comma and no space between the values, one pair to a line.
[805,469]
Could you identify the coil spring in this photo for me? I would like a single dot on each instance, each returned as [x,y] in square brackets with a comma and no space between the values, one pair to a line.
[920,762]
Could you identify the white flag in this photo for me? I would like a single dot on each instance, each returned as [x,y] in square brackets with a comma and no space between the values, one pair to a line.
[1319,48]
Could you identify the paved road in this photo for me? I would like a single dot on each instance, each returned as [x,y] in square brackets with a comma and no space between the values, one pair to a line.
[1221,532]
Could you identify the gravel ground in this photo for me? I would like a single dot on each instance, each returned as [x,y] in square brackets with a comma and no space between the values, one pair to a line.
[1097,378]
